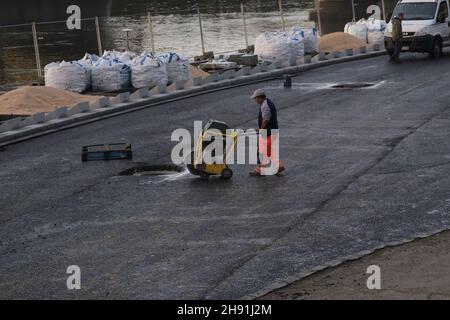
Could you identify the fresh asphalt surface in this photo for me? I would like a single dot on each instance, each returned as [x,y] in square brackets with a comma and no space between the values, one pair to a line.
[365,168]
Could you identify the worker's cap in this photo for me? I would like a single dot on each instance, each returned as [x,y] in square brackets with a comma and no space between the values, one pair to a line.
[258,93]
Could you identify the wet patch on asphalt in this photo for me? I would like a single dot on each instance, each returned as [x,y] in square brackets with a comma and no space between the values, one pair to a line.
[313,86]
[152,170]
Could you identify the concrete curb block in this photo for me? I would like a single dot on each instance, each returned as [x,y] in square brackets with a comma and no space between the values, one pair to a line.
[103,102]
[245,71]
[123,97]
[141,93]
[336,54]
[12,132]
[12,124]
[59,113]
[79,108]
[34,119]
[180,84]
[197,81]
[162,89]
[213,77]
[337,262]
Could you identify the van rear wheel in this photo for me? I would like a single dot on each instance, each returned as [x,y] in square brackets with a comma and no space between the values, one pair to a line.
[436,50]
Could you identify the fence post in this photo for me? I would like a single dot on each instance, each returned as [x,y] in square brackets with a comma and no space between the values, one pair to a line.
[319,22]
[201,30]
[99,37]
[280,5]
[245,25]
[127,32]
[36,50]
[353,11]
[150,26]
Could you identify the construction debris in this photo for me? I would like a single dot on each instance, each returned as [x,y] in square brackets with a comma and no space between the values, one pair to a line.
[250,60]
[216,65]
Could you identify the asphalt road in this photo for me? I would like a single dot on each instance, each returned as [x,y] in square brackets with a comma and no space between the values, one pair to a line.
[365,168]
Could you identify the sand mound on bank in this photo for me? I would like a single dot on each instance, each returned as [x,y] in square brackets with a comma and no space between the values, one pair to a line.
[339,41]
[29,100]
[196,72]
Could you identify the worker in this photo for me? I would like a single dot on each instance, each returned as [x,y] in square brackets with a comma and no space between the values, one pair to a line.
[397,36]
[267,120]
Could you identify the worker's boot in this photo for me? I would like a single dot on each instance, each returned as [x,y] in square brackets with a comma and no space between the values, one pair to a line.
[281,169]
[255,174]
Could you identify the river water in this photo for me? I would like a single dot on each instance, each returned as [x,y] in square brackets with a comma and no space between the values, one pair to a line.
[176,28]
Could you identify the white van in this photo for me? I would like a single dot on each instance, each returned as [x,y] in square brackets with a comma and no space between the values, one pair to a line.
[426,27]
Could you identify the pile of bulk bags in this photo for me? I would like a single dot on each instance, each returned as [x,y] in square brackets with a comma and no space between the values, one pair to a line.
[279,46]
[177,67]
[148,71]
[72,76]
[370,31]
[310,36]
[116,70]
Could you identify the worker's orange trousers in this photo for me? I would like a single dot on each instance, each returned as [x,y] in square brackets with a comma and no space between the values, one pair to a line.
[268,154]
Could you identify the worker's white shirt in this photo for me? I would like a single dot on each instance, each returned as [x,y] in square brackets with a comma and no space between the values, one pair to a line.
[265,111]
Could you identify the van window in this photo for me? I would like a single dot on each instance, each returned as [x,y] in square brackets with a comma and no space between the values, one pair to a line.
[417,10]
[443,12]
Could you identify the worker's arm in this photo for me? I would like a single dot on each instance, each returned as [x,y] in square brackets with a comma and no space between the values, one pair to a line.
[266,114]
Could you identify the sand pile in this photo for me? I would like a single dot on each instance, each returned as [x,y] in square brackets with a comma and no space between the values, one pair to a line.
[29,100]
[196,72]
[339,41]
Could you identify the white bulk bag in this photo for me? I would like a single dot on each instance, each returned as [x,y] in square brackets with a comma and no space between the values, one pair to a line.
[272,46]
[177,67]
[311,38]
[375,31]
[297,43]
[88,62]
[279,46]
[148,71]
[358,29]
[110,75]
[71,76]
